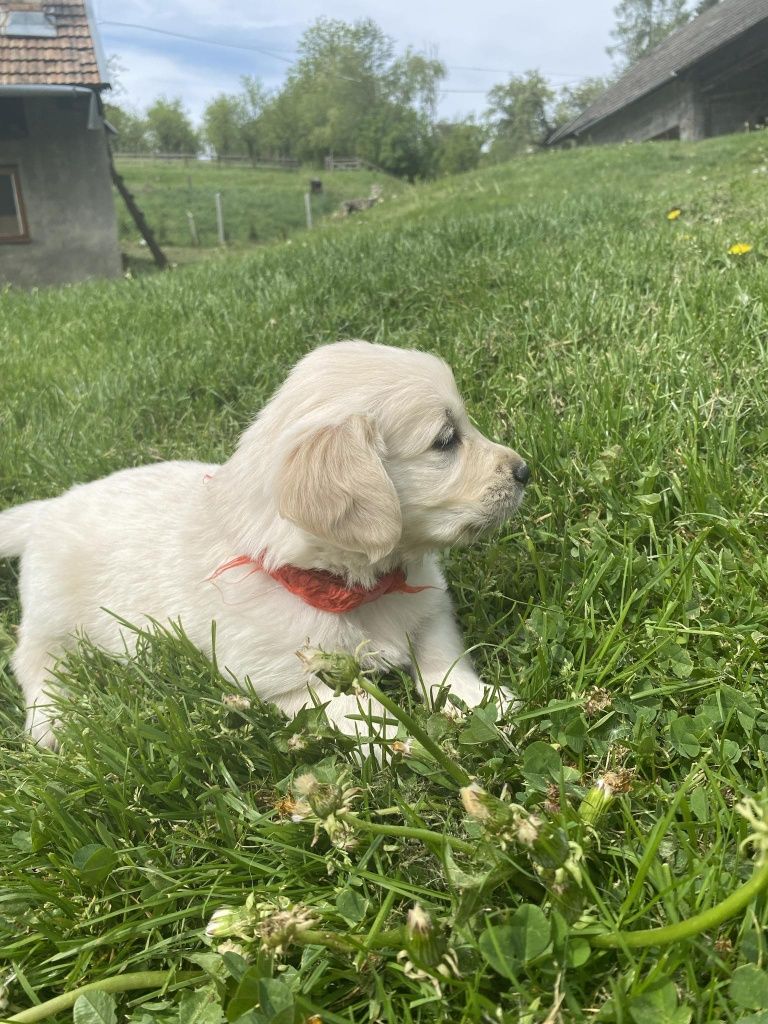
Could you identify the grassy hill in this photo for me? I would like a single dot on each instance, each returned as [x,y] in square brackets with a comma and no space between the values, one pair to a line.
[625,356]
[258,205]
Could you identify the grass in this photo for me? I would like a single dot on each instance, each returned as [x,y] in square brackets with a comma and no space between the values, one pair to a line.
[258,205]
[625,356]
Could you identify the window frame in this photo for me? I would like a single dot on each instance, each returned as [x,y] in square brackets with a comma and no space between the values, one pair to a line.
[12,171]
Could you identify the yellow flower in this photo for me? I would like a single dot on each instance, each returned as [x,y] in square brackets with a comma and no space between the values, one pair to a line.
[674,213]
[740,249]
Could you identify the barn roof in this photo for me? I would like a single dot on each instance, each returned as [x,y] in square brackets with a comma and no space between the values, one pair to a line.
[67,54]
[679,51]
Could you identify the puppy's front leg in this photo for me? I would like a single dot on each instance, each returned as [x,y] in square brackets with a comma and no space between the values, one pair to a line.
[440,659]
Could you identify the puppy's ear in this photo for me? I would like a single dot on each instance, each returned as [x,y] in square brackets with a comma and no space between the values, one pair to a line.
[334,486]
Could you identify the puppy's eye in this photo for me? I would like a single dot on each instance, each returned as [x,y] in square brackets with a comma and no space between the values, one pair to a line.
[446,440]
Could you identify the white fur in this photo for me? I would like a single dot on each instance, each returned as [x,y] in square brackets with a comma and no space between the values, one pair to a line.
[337,472]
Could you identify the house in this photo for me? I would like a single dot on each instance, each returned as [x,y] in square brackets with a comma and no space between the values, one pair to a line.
[709,77]
[57,214]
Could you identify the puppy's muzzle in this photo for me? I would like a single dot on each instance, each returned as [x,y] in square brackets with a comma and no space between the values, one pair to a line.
[522,472]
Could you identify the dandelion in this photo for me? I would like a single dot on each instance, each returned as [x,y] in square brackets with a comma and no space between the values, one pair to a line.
[404,747]
[674,213]
[602,794]
[528,829]
[471,797]
[337,669]
[280,929]
[757,816]
[231,947]
[230,921]
[740,249]
[296,810]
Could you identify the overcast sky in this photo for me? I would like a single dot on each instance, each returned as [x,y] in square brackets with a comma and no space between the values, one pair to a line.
[565,39]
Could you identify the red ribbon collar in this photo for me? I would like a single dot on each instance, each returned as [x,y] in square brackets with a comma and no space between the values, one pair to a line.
[323,589]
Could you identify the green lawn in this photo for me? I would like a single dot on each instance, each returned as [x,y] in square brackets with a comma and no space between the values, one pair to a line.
[258,205]
[626,357]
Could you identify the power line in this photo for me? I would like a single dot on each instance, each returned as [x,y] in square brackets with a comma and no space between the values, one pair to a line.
[289,60]
[200,39]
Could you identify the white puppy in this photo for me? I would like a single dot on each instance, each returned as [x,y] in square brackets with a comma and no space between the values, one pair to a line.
[360,467]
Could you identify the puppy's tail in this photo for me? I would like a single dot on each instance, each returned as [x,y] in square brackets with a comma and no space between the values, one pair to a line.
[16,528]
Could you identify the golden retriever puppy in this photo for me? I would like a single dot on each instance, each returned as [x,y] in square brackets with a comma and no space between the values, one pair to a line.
[322,527]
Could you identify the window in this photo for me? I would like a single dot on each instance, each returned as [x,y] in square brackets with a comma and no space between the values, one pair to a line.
[13,221]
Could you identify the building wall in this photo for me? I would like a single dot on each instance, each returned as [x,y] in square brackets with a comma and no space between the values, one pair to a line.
[67,192]
[670,108]
[721,94]
[733,103]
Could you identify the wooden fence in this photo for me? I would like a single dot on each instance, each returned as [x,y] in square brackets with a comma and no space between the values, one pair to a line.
[278,163]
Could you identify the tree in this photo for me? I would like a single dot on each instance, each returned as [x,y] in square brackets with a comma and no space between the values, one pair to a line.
[169,130]
[131,130]
[459,145]
[350,94]
[572,100]
[704,5]
[254,130]
[519,114]
[223,124]
[642,24]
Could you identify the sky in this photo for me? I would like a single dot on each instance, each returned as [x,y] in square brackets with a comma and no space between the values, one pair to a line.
[481,41]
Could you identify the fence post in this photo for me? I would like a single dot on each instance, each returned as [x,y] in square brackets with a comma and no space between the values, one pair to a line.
[308,209]
[220,219]
[192,227]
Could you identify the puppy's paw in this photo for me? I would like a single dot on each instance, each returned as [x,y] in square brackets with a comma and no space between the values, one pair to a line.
[472,691]
[41,732]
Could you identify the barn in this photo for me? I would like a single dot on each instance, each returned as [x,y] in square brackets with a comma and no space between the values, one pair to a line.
[709,77]
[57,215]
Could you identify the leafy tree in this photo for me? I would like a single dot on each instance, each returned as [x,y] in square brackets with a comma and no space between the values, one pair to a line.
[223,125]
[254,129]
[131,130]
[572,100]
[169,129]
[459,146]
[349,93]
[519,114]
[642,24]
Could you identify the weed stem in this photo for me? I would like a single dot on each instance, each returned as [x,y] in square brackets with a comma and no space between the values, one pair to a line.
[451,768]
[707,920]
[121,983]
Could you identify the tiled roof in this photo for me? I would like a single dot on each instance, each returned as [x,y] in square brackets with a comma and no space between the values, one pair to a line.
[69,58]
[680,50]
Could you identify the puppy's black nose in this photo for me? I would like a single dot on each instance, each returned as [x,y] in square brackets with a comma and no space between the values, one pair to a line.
[522,473]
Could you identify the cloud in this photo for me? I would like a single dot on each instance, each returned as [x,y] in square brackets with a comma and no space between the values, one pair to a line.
[564,40]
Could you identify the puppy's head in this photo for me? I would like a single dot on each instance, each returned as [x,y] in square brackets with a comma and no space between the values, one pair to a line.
[377,454]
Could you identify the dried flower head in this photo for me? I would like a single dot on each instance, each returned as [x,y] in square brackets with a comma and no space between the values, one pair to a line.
[296,810]
[280,929]
[232,947]
[619,781]
[305,784]
[527,828]
[337,669]
[474,804]
[236,701]
[418,921]
[597,700]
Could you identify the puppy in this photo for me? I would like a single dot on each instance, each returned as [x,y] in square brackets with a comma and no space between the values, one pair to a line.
[322,527]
